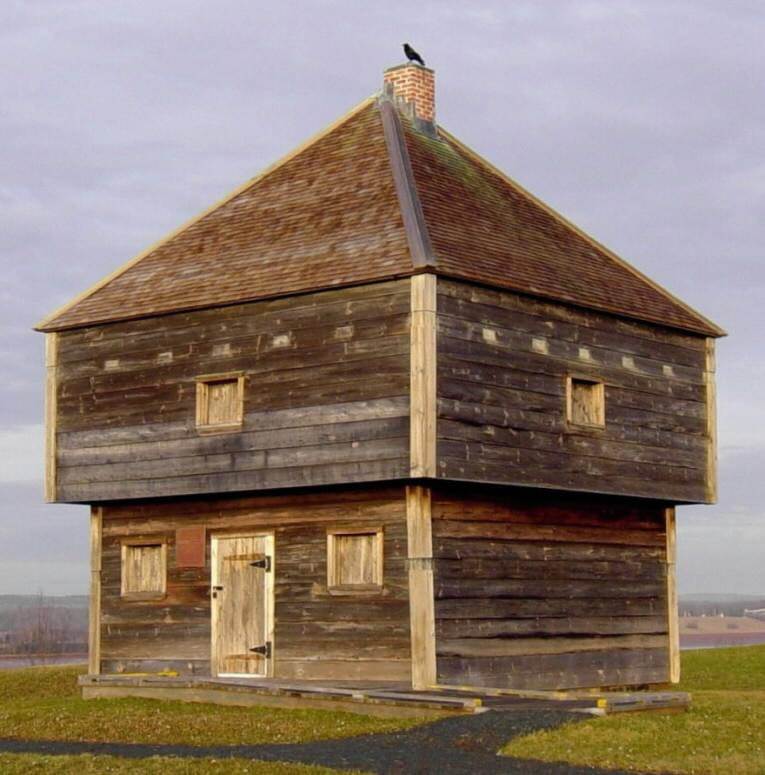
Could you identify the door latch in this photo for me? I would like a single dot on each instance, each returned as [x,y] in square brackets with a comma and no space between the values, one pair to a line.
[265,649]
[215,591]
[265,563]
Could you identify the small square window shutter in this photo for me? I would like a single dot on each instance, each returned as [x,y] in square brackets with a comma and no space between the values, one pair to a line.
[220,401]
[586,402]
[143,569]
[354,560]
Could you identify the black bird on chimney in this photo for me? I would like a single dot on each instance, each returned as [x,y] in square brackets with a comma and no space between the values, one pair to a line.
[412,55]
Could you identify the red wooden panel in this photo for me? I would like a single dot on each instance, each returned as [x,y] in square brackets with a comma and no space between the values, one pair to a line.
[190,547]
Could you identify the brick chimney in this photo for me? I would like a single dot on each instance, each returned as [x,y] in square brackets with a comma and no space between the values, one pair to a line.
[416,85]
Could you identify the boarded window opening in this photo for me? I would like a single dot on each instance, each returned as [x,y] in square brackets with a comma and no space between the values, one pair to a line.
[220,400]
[586,402]
[144,569]
[355,560]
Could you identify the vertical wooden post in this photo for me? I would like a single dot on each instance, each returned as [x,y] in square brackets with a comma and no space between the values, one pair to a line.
[51,368]
[673,629]
[422,464]
[711,425]
[423,376]
[422,620]
[94,619]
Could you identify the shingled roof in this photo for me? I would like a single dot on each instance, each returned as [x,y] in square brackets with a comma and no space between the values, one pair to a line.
[379,194]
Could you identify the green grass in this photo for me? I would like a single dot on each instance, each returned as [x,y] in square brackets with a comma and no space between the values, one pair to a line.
[21,764]
[44,703]
[722,733]
[729,669]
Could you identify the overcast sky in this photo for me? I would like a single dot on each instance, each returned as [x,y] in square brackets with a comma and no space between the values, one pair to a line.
[642,121]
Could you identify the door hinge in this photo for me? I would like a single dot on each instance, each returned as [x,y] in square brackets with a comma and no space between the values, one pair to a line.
[265,563]
[265,649]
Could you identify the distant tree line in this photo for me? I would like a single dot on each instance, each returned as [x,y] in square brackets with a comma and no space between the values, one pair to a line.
[737,607]
[41,627]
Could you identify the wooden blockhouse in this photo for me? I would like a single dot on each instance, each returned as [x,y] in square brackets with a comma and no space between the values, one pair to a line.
[382,414]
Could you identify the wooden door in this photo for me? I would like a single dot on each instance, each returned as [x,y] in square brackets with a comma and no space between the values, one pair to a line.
[242,605]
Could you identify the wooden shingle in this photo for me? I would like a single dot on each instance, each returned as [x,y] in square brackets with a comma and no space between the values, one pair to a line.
[375,197]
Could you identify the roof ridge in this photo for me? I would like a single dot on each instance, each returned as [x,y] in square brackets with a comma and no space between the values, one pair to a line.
[583,234]
[46,322]
[415,225]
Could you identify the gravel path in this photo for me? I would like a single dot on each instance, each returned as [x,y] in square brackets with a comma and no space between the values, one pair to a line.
[460,744]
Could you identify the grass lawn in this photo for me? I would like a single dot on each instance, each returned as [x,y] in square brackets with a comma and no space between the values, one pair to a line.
[722,733]
[21,764]
[44,703]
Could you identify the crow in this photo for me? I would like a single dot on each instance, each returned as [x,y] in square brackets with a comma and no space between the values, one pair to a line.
[412,55]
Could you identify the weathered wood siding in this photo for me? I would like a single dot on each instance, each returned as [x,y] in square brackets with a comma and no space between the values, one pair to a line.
[326,397]
[317,634]
[542,591]
[503,360]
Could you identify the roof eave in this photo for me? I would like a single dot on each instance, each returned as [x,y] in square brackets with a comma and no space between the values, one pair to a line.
[234,302]
[579,305]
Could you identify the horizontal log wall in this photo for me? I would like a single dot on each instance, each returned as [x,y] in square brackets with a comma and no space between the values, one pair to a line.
[326,397]
[317,634]
[503,360]
[541,591]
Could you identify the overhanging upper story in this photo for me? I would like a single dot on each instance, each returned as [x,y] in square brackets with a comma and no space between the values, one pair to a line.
[382,304]
[420,377]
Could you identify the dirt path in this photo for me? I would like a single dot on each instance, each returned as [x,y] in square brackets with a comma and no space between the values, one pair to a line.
[462,744]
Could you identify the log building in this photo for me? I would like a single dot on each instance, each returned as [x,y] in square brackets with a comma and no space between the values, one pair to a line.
[382,414]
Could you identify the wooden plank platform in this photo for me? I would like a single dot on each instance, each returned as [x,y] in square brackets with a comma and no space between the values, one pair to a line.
[377,700]
[593,701]
[631,702]
[386,699]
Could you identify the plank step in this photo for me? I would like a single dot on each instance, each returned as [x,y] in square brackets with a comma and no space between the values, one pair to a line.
[426,701]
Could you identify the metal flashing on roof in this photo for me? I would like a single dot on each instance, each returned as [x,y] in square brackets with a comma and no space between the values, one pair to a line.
[411,210]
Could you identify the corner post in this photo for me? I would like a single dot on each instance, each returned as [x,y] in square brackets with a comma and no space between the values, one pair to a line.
[422,620]
[711,424]
[423,376]
[51,398]
[673,629]
[94,614]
